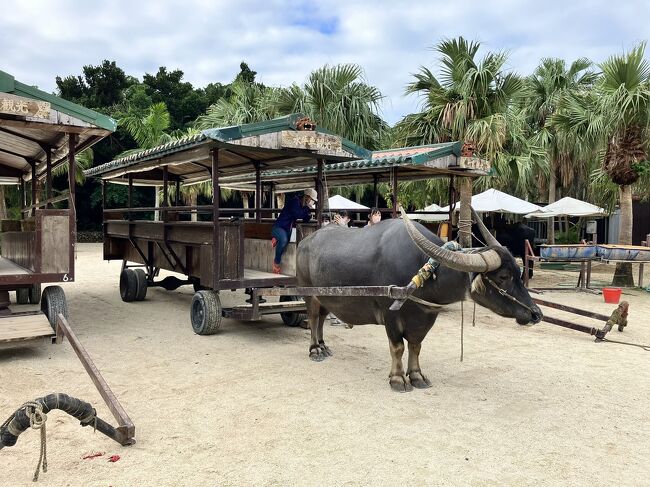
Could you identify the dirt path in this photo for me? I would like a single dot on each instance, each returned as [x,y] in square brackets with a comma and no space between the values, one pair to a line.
[528,406]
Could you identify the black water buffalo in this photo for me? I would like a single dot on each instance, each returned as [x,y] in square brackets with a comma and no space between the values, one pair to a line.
[390,253]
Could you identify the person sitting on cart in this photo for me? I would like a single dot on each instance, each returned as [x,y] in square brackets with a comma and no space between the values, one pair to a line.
[295,209]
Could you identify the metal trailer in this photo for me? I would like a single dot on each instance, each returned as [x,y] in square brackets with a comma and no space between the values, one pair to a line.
[229,248]
[39,132]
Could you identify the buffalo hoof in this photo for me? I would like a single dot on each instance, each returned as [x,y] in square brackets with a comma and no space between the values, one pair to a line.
[419,381]
[318,353]
[398,383]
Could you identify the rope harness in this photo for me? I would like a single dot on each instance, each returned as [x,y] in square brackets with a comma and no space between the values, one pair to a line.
[37,420]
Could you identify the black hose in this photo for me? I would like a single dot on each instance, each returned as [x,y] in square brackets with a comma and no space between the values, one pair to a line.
[77,408]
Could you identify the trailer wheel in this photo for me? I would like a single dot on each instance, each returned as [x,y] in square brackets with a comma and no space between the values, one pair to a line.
[53,302]
[22,295]
[141,278]
[35,294]
[128,285]
[205,312]
[292,318]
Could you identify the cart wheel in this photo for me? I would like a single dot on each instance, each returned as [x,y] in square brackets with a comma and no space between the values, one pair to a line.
[141,279]
[205,312]
[35,294]
[293,318]
[22,295]
[197,286]
[53,302]
[128,285]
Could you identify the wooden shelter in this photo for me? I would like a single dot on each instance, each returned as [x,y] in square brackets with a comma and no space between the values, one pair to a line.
[230,251]
[38,133]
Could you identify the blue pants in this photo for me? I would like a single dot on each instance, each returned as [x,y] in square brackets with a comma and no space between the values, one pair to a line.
[283,240]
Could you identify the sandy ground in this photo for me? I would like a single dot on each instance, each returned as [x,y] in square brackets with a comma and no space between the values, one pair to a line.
[534,405]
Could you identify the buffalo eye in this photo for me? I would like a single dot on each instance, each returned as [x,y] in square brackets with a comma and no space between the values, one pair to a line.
[504,277]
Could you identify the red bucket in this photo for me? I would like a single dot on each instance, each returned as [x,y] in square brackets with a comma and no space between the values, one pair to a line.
[612,294]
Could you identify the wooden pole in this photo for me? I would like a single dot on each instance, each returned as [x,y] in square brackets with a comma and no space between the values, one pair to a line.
[48,175]
[23,196]
[465,219]
[216,244]
[375,180]
[104,188]
[165,191]
[33,163]
[178,192]
[319,192]
[393,180]
[72,169]
[130,198]
[258,192]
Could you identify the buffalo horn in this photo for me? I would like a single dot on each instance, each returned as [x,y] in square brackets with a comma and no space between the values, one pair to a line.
[479,262]
[489,238]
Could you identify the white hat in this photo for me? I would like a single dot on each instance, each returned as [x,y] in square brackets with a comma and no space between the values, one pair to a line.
[311,193]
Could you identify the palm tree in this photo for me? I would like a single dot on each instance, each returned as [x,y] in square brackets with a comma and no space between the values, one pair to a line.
[247,103]
[548,86]
[148,129]
[338,99]
[615,117]
[475,101]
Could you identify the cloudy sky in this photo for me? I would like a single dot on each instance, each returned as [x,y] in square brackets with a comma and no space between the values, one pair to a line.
[284,40]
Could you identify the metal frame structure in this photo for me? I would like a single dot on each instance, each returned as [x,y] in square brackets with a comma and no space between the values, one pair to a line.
[267,158]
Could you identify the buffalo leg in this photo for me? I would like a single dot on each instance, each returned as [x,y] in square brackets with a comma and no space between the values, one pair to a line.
[414,373]
[316,314]
[397,378]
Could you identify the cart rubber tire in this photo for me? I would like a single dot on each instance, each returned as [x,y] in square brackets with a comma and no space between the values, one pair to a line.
[53,302]
[205,312]
[128,285]
[293,318]
[141,278]
[22,295]
[35,294]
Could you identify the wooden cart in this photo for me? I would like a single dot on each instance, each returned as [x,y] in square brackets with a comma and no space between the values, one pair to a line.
[38,133]
[229,248]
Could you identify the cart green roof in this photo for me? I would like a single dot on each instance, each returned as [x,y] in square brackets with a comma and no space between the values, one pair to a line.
[418,162]
[33,121]
[276,143]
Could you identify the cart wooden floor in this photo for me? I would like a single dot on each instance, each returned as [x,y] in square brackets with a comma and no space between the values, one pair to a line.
[24,328]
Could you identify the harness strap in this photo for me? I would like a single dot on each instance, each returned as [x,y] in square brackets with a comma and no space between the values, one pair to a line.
[505,294]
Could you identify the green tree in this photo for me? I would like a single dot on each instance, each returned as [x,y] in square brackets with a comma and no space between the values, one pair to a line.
[548,86]
[477,102]
[247,103]
[615,116]
[99,88]
[339,99]
[183,102]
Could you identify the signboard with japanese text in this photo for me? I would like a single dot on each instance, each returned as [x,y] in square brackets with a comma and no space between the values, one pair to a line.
[24,107]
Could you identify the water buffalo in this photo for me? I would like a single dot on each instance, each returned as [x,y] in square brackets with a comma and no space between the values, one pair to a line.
[390,253]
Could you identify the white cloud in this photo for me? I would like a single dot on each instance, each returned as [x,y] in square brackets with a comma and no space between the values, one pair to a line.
[283,41]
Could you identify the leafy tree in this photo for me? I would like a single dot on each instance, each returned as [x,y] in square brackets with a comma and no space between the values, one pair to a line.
[246,74]
[615,117]
[339,99]
[182,101]
[99,88]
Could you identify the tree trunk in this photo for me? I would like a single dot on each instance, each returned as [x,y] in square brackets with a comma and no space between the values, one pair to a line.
[465,220]
[552,183]
[623,272]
